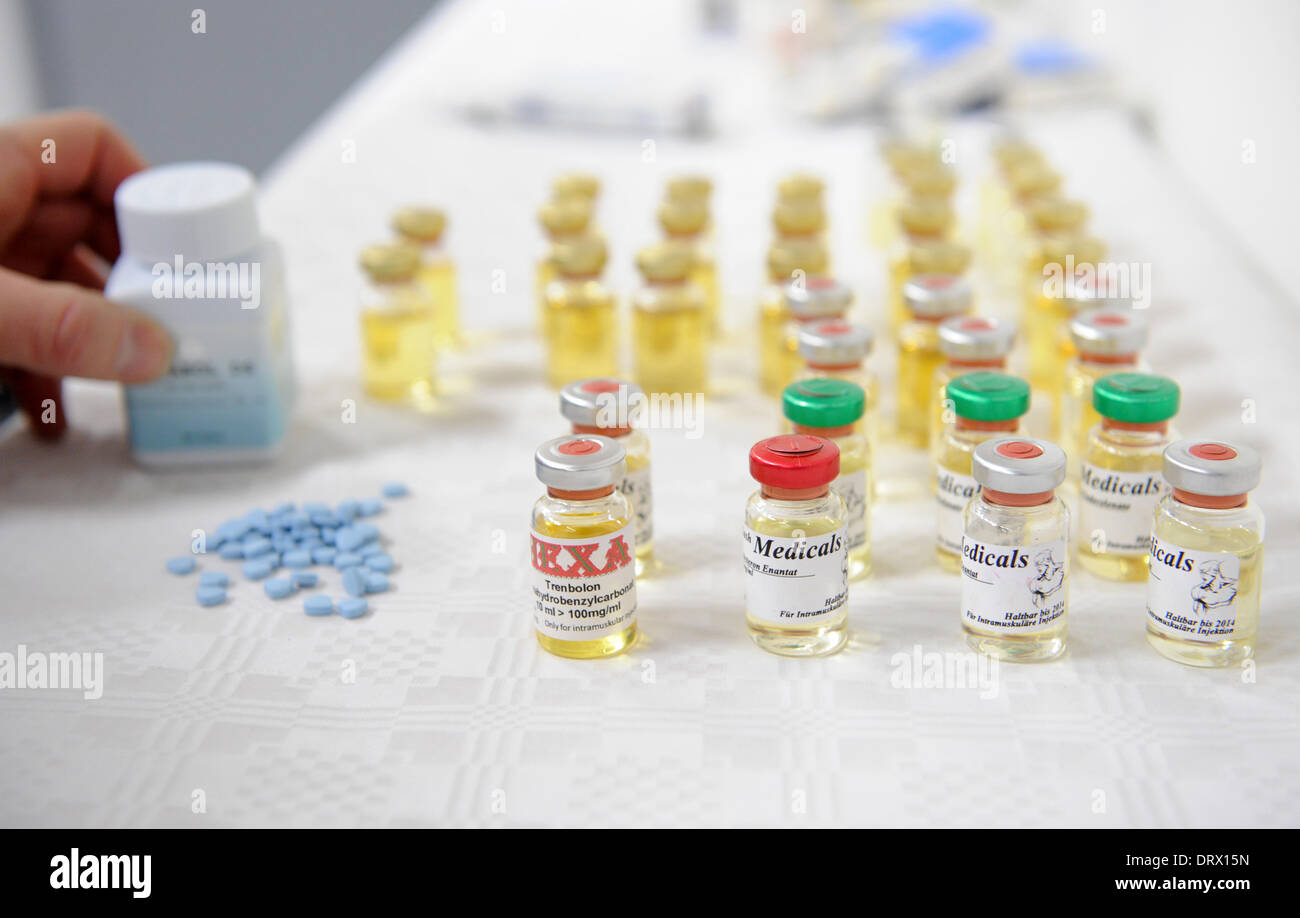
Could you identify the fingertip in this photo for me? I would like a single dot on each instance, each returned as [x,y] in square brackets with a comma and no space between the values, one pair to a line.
[144,353]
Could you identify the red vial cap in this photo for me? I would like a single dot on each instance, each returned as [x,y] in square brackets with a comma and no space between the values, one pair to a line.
[794,462]
[1019,449]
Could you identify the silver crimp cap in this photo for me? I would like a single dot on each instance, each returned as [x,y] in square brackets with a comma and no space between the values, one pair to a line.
[1109,332]
[817,298]
[937,295]
[1236,473]
[1012,474]
[834,343]
[581,462]
[601,402]
[976,338]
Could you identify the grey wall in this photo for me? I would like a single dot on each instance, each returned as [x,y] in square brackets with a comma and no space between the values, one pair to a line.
[241,92]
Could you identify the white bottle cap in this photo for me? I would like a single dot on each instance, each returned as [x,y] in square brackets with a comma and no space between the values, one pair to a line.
[200,211]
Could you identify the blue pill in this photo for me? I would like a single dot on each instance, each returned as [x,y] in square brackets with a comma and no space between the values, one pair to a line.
[299,557]
[381,562]
[347,559]
[256,547]
[315,506]
[354,581]
[283,542]
[327,536]
[287,507]
[376,583]
[394,489]
[353,608]
[210,595]
[232,551]
[374,548]
[371,506]
[258,569]
[214,579]
[324,554]
[318,605]
[348,509]
[278,587]
[304,579]
[182,564]
[309,544]
[232,529]
[348,539]
[325,518]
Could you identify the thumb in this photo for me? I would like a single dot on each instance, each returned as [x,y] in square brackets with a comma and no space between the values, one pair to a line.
[59,329]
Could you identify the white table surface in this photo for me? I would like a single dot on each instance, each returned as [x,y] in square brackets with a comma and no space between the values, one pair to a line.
[455,716]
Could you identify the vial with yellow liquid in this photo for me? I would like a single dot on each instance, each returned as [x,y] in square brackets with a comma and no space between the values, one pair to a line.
[930,299]
[1051,217]
[609,407]
[924,247]
[1009,153]
[582,547]
[786,262]
[984,405]
[835,349]
[812,299]
[801,186]
[795,548]
[576,184]
[831,409]
[1105,341]
[1120,479]
[581,323]
[926,177]
[425,227]
[670,322]
[967,344]
[562,220]
[685,221]
[689,188]
[1053,294]
[1015,552]
[397,327]
[799,219]
[1207,551]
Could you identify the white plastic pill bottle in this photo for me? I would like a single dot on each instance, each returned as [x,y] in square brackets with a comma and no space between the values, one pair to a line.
[194,258]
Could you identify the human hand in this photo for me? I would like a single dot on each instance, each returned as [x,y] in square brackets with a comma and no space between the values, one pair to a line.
[58,236]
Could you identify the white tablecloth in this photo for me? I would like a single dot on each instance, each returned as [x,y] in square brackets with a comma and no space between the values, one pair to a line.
[439,708]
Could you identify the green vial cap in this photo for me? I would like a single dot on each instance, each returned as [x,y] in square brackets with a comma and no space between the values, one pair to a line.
[988,396]
[1135,398]
[823,403]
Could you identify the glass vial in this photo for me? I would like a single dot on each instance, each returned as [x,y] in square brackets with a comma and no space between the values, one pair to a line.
[397,327]
[609,407]
[670,322]
[584,590]
[1207,552]
[967,344]
[786,262]
[795,551]
[581,324]
[930,299]
[836,349]
[924,247]
[831,409]
[425,228]
[809,300]
[561,221]
[1105,341]
[685,221]
[1120,481]
[985,406]
[1015,557]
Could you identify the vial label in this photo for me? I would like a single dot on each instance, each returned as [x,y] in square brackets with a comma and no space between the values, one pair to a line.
[1013,589]
[1116,508]
[952,492]
[853,490]
[584,589]
[1192,594]
[795,581]
[636,488]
